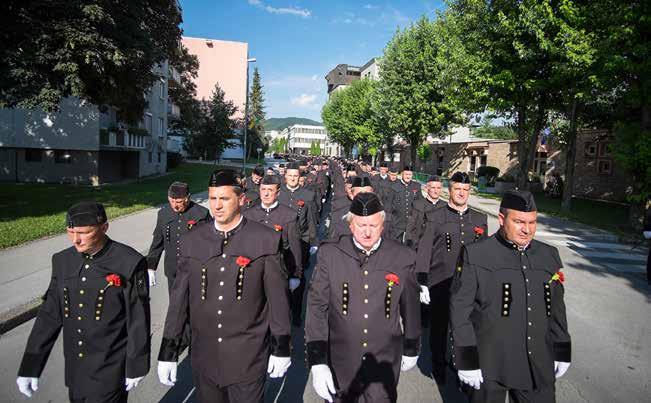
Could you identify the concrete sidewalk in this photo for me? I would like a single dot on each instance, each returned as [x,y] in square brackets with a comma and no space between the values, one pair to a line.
[25,270]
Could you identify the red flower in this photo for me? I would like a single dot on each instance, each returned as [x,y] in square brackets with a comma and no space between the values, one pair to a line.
[558,276]
[479,231]
[242,261]
[392,279]
[278,228]
[191,223]
[300,203]
[114,280]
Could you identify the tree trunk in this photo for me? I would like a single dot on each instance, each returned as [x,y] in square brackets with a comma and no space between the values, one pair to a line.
[522,145]
[570,156]
[412,151]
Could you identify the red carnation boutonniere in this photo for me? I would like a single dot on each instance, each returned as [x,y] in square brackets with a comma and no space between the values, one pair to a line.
[392,279]
[113,280]
[558,276]
[300,203]
[479,231]
[242,261]
[278,228]
[191,223]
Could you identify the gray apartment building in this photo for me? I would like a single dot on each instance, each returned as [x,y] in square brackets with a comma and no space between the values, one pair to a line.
[82,145]
[344,74]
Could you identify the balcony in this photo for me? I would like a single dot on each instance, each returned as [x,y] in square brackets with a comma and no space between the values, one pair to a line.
[173,111]
[121,140]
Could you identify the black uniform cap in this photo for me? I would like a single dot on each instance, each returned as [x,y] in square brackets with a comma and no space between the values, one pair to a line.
[434,178]
[85,213]
[520,200]
[365,204]
[407,168]
[178,190]
[324,162]
[383,164]
[224,177]
[271,180]
[360,181]
[460,177]
[281,165]
[258,170]
[351,167]
[293,165]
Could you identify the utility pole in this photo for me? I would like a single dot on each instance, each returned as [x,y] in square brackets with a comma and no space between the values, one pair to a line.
[246,112]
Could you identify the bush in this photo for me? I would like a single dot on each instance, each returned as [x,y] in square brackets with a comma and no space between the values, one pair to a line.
[490,173]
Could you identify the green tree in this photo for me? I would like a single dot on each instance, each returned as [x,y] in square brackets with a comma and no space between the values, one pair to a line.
[99,51]
[255,135]
[410,89]
[216,127]
[182,92]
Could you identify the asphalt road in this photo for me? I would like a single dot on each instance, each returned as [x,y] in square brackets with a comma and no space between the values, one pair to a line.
[608,315]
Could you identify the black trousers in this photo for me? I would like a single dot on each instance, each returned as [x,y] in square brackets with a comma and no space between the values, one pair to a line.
[493,392]
[117,396]
[439,309]
[296,303]
[648,265]
[247,392]
[186,338]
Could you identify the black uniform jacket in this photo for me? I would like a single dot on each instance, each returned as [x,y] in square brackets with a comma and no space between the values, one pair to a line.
[338,225]
[105,328]
[353,317]
[284,220]
[302,201]
[170,226]
[507,315]
[446,231]
[402,196]
[416,223]
[237,296]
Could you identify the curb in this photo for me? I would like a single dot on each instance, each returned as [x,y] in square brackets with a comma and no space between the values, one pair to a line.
[17,316]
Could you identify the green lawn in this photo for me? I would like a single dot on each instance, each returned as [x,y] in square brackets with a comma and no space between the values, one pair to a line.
[609,216]
[32,211]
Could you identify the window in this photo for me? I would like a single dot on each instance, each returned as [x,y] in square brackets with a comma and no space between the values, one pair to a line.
[149,157]
[590,149]
[162,89]
[32,155]
[605,167]
[604,149]
[148,122]
[159,157]
[62,157]
[161,127]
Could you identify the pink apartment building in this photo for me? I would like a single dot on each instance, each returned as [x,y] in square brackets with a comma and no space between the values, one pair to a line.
[222,62]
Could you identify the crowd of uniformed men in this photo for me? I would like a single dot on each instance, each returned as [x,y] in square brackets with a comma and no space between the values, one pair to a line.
[394,258]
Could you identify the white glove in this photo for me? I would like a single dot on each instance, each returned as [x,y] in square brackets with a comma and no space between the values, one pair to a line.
[327,223]
[560,368]
[424,295]
[323,200]
[27,386]
[294,283]
[408,363]
[313,250]
[322,382]
[472,377]
[152,277]
[131,383]
[647,234]
[278,366]
[167,372]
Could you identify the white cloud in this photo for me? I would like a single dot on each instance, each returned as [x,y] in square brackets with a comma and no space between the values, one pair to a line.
[300,12]
[370,7]
[304,100]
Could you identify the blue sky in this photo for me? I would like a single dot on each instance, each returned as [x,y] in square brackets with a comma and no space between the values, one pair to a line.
[297,42]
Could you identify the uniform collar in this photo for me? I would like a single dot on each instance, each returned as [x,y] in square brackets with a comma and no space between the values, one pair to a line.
[384,177]
[509,244]
[268,209]
[430,200]
[404,183]
[99,253]
[231,232]
[465,211]
[293,190]
[367,252]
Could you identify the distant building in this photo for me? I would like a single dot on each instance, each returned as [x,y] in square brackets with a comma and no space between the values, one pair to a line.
[82,145]
[301,137]
[344,74]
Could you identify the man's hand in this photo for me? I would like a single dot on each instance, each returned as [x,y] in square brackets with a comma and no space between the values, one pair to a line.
[424,295]
[560,368]
[27,386]
[408,363]
[294,283]
[322,382]
[278,366]
[472,377]
[131,383]
[152,277]
[167,372]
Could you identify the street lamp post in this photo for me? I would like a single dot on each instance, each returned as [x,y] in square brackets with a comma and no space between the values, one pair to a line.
[246,111]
